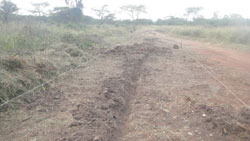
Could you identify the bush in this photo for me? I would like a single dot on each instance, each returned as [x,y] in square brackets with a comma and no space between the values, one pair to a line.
[73,52]
[12,64]
[68,38]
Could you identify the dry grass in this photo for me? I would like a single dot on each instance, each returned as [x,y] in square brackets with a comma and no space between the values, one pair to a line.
[33,53]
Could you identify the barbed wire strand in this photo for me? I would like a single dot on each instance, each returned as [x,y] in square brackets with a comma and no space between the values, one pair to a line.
[58,76]
[84,64]
[208,70]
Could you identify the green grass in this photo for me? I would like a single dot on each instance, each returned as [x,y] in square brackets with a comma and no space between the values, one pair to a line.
[238,35]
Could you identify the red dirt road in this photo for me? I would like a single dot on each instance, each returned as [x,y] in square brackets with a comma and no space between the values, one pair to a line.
[230,66]
[230,58]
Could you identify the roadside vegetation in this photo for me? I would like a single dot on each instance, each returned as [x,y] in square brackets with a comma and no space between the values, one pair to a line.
[32,54]
[237,36]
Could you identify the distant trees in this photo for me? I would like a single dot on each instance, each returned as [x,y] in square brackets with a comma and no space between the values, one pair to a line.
[237,19]
[215,15]
[65,14]
[193,12]
[171,20]
[236,16]
[72,13]
[134,11]
[7,8]
[39,8]
[144,21]
[101,12]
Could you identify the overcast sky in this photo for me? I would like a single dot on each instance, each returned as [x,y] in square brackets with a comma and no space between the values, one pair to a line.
[158,8]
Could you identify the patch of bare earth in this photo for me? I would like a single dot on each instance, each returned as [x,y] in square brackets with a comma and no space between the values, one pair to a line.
[148,91]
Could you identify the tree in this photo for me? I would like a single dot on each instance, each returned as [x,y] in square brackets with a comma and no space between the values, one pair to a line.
[104,14]
[101,12]
[74,3]
[237,19]
[215,15]
[7,8]
[110,16]
[134,11]
[71,13]
[39,8]
[193,11]
[109,19]
[65,14]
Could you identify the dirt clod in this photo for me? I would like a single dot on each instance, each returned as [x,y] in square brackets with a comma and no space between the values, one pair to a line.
[176,46]
[75,124]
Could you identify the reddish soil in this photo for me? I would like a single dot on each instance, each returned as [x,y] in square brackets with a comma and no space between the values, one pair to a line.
[236,59]
[228,57]
[147,91]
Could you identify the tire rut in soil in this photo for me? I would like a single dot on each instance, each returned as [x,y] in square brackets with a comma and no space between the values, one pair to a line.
[103,119]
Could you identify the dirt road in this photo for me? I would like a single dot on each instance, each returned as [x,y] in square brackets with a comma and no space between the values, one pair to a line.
[146,91]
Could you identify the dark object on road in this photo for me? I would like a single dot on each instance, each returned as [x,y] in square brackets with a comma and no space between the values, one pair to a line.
[176,46]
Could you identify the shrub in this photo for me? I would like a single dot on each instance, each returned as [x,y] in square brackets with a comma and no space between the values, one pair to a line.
[73,52]
[68,38]
[12,64]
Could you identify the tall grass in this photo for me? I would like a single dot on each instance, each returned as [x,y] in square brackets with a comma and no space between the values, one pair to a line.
[21,36]
[230,35]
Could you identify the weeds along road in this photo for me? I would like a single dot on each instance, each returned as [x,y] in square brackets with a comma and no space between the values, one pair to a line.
[146,91]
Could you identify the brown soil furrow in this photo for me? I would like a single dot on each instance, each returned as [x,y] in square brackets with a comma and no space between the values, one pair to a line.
[108,111]
[106,116]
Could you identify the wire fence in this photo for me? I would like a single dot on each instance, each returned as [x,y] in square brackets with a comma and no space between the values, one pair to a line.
[83,64]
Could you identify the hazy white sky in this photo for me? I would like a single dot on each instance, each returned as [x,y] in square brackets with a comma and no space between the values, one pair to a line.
[158,8]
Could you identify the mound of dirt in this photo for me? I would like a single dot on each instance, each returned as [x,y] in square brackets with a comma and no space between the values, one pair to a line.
[142,48]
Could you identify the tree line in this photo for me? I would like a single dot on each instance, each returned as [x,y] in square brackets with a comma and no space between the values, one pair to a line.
[73,13]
